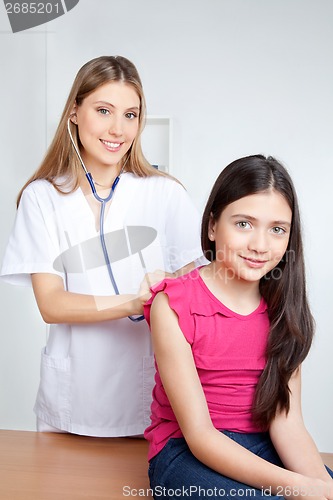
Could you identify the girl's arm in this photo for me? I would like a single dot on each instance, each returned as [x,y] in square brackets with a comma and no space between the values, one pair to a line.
[291,439]
[183,388]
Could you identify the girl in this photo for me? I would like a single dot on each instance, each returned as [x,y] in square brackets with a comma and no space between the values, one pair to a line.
[87,253]
[229,340]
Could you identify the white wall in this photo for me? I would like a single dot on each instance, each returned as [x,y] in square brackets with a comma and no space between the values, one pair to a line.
[238,77]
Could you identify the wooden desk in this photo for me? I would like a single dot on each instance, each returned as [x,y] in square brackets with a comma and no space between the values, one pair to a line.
[45,466]
[50,466]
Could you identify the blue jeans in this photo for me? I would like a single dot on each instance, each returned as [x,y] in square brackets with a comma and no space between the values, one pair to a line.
[175,473]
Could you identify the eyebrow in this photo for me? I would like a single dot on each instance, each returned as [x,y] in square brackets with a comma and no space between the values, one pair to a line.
[113,106]
[249,217]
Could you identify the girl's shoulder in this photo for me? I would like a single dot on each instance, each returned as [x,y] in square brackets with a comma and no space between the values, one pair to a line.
[180,297]
[192,290]
[185,288]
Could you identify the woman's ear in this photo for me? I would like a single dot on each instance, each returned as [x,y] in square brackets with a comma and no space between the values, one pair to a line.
[72,116]
[211,228]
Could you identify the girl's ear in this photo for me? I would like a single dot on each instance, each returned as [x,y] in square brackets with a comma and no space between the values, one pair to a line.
[211,228]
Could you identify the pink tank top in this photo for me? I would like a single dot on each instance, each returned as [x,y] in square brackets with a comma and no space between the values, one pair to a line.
[229,353]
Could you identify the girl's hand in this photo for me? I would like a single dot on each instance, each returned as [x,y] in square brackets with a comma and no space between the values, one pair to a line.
[329,486]
[309,489]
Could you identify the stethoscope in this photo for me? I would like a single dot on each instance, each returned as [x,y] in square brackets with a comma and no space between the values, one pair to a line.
[103,202]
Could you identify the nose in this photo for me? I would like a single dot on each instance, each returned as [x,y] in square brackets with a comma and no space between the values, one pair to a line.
[259,242]
[116,126]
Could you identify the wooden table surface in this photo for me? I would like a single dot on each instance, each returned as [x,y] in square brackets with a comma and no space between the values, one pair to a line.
[50,466]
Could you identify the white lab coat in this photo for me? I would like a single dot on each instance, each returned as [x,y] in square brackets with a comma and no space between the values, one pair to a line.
[97,379]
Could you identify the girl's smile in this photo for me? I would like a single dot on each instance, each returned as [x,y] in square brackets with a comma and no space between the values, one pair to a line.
[254,262]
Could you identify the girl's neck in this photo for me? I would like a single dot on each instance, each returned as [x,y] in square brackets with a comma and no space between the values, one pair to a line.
[242,297]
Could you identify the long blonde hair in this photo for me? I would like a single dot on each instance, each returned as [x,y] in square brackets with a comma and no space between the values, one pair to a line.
[60,161]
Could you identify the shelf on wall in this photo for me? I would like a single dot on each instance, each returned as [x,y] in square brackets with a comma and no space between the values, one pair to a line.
[157,141]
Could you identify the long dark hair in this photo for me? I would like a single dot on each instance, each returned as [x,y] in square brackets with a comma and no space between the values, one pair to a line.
[284,288]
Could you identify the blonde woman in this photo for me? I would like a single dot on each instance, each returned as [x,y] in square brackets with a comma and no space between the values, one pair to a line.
[91,222]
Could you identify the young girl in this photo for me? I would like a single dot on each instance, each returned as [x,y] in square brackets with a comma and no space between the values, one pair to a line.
[93,219]
[229,340]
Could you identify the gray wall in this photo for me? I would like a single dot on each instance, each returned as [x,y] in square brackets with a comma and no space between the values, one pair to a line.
[237,77]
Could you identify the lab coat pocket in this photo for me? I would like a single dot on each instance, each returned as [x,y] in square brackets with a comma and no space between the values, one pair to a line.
[54,390]
[148,384]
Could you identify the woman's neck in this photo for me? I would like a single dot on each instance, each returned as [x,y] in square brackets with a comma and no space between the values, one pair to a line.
[102,177]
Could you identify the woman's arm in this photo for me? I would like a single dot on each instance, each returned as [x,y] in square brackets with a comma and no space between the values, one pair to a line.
[57,305]
[291,439]
[183,388]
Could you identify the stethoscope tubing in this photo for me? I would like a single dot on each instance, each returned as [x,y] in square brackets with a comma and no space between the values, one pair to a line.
[103,202]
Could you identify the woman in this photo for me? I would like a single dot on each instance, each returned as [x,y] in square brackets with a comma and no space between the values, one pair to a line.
[86,254]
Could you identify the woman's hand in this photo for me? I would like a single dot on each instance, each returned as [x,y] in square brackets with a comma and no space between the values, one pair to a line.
[57,305]
[151,279]
[148,281]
